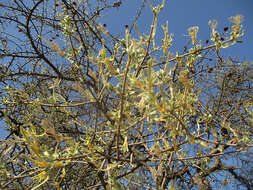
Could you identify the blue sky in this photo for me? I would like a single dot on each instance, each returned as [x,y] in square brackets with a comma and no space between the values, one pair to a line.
[182,14]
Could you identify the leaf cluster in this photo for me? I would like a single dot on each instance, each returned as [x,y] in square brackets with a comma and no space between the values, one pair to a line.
[89,110]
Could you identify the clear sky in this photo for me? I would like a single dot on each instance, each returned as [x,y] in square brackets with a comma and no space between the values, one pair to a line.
[181,14]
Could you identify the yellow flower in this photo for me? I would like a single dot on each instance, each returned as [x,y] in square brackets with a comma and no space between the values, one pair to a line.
[213,24]
[193,33]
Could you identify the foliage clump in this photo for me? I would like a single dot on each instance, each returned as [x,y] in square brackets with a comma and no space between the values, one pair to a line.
[87,110]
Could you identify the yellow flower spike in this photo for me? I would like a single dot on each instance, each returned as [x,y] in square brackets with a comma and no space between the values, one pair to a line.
[42,163]
[108,63]
[138,83]
[160,120]
[86,141]
[102,53]
[162,108]
[125,145]
[63,174]
[213,24]
[42,176]
[59,164]
[35,146]
[236,19]
[193,33]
